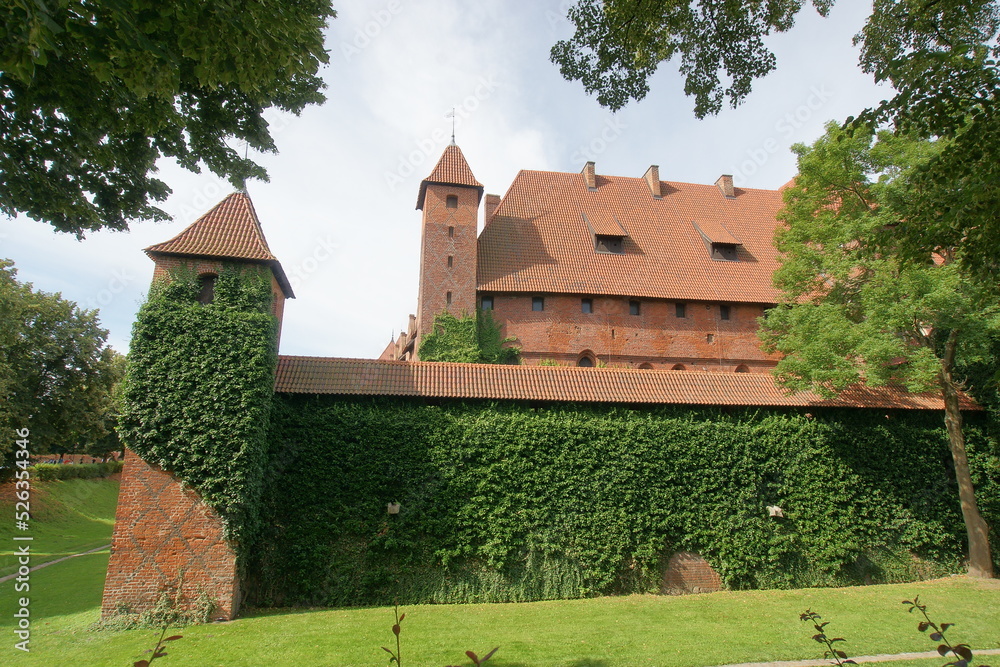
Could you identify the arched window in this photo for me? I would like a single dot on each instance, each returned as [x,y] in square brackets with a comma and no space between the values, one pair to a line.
[646,366]
[742,368]
[207,283]
[678,367]
[586,359]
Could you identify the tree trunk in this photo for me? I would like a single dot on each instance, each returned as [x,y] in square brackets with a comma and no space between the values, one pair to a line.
[980,560]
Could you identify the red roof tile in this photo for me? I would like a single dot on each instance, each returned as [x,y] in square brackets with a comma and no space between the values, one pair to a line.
[536,243]
[451,169]
[231,230]
[375,377]
[603,224]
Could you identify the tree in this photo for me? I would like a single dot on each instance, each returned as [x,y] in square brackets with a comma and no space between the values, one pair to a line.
[853,310]
[471,340]
[93,93]
[56,373]
[939,55]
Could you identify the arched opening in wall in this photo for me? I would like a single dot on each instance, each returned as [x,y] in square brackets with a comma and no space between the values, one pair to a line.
[646,366]
[742,368]
[451,201]
[586,359]
[207,283]
[678,367]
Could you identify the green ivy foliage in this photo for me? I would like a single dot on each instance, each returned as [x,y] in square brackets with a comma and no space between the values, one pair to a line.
[475,339]
[197,392]
[506,502]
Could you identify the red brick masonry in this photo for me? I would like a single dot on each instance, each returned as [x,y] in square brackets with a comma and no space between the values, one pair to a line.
[690,573]
[164,534]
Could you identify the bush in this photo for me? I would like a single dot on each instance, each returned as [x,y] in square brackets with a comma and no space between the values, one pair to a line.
[46,472]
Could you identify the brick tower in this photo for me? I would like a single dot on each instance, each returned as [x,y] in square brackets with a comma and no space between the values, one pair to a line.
[165,535]
[449,199]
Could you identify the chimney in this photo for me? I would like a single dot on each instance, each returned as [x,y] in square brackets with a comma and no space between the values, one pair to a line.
[652,177]
[492,201]
[590,176]
[725,184]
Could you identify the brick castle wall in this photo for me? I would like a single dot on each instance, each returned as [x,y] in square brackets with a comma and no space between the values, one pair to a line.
[701,340]
[163,532]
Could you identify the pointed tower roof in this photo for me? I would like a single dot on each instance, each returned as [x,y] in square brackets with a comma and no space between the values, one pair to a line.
[451,169]
[231,230]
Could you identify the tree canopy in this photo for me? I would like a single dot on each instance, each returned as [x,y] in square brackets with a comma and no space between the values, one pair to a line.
[853,310]
[56,372]
[92,94]
[939,55]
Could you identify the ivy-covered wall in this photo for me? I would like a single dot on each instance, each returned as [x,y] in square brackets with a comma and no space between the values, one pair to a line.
[507,502]
[196,398]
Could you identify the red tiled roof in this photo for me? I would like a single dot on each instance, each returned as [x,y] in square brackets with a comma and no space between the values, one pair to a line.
[375,377]
[231,230]
[537,241]
[715,232]
[451,169]
[603,224]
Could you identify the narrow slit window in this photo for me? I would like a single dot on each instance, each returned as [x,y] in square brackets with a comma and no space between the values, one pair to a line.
[447,298]
[451,232]
[451,261]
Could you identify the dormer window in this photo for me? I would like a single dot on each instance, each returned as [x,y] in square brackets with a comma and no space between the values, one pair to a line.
[722,245]
[606,243]
[724,251]
[609,235]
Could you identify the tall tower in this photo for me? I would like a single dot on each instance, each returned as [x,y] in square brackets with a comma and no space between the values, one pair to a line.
[449,199]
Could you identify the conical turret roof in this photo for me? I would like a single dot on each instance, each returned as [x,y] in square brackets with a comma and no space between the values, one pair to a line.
[451,169]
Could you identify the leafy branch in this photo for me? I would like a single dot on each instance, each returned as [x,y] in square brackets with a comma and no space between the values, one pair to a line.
[821,637]
[962,652]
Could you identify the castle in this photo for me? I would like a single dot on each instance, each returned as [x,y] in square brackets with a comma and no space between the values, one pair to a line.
[586,269]
[645,276]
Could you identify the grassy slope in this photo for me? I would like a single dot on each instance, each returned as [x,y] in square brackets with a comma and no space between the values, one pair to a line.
[638,630]
[67,517]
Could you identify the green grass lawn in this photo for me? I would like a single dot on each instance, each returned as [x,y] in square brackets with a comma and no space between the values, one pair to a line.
[716,629]
[713,629]
[68,517]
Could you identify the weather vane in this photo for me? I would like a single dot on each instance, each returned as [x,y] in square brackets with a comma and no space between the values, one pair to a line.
[451,114]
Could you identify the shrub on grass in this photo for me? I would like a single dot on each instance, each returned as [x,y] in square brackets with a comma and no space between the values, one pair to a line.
[47,472]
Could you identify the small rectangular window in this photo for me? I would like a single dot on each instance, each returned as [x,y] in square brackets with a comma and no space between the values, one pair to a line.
[537,303]
[487,302]
[452,201]
[723,312]
[633,307]
[450,261]
[680,310]
[586,305]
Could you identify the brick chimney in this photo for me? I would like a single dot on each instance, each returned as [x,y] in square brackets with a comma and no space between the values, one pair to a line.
[492,201]
[590,176]
[725,184]
[652,177]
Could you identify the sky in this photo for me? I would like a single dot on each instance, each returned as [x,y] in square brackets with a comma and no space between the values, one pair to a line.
[339,210]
